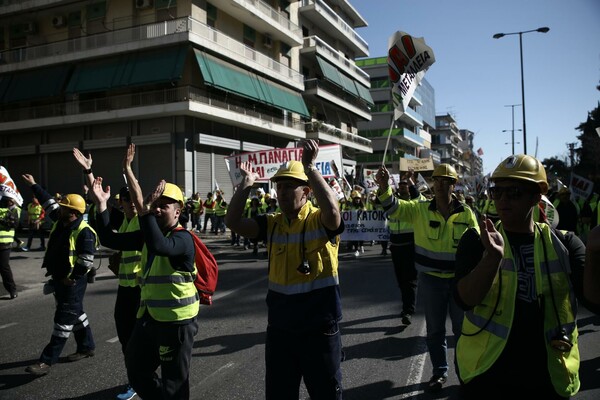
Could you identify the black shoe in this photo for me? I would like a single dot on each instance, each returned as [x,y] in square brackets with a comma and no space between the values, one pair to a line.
[436,383]
[406,318]
[80,356]
[13,295]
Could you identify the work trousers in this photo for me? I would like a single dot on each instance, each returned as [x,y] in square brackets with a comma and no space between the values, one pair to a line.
[438,303]
[403,259]
[168,345]
[34,229]
[126,307]
[211,218]
[8,281]
[314,356]
[69,317]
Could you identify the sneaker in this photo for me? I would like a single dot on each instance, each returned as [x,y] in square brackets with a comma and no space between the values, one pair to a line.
[128,394]
[39,369]
[362,249]
[436,383]
[14,295]
[24,248]
[80,356]
[406,318]
[356,253]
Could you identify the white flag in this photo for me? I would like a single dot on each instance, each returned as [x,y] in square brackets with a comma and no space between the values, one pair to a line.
[408,60]
[422,185]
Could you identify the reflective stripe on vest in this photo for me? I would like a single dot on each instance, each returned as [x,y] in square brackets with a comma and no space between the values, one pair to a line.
[8,236]
[73,241]
[477,353]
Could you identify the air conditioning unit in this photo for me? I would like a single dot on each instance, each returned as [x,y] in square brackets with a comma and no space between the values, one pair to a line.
[143,3]
[267,41]
[29,27]
[59,21]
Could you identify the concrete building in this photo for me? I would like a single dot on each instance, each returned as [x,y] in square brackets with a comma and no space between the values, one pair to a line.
[410,135]
[189,82]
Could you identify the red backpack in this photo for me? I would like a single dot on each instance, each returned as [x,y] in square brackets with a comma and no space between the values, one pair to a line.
[208,270]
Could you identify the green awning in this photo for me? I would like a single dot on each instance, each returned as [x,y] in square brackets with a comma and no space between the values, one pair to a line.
[36,84]
[349,85]
[129,70]
[222,75]
[364,94]
[330,72]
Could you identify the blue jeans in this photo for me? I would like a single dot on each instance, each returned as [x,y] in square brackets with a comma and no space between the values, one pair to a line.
[438,302]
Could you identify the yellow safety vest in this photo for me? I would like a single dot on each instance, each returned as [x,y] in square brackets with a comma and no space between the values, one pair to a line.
[130,265]
[168,295]
[436,238]
[288,241]
[73,241]
[8,236]
[34,211]
[477,353]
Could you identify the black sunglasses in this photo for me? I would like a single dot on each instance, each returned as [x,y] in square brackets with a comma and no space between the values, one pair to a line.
[511,192]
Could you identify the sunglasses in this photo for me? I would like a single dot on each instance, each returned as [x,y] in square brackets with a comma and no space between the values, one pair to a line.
[443,180]
[511,192]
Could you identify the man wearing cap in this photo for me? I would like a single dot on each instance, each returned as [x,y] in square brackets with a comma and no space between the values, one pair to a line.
[519,282]
[438,225]
[166,324]
[304,306]
[68,259]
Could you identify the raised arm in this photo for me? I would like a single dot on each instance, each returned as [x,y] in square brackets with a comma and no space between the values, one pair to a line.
[86,164]
[328,203]
[234,218]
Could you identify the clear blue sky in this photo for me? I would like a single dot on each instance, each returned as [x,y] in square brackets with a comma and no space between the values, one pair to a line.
[475,76]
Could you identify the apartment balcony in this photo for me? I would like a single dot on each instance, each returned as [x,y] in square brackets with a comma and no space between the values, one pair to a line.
[16,6]
[322,131]
[264,19]
[336,96]
[186,100]
[314,44]
[181,30]
[322,15]
[412,118]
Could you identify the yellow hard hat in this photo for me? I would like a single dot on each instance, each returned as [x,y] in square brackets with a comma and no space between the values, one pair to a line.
[290,170]
[522,167]
[173,192]
[74,202]
[445,171]
[354,194]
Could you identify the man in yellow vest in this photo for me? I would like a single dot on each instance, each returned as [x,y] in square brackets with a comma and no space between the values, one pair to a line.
[68,260]
[9,220]
[166,324]
[209,206]
[518,280]
[35,216]
[438,226]
[304,303]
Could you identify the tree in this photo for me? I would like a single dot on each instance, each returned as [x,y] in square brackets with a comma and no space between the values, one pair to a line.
[556,169]
[589,161]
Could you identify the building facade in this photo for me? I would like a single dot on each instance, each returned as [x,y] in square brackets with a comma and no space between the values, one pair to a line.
[189,82]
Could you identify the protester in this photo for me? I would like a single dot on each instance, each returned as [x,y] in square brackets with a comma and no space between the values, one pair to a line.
[438,225]
[9,220]
[35,216]
[402,247]
[209,207]
[518,281]
[68,259]
[126,265]
[166,324]
[304,306]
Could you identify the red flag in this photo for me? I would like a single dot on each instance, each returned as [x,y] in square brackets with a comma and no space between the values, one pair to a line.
[480,151]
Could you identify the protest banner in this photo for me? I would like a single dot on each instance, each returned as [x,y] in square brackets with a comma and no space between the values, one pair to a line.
[580,187]
[418,164]
[266,162]
[365,225]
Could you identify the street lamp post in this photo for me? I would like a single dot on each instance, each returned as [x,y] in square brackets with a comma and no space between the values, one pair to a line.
[500,35]
[513,126]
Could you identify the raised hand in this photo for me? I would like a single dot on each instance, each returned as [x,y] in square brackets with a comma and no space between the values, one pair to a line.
[29,179]
[310,150]
[491,239]
[246,171]
[382,178]
[85,162]
[99,195]
[129,155]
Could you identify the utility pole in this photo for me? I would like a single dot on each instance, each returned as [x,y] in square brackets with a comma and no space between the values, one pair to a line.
[571,147]
[513,126]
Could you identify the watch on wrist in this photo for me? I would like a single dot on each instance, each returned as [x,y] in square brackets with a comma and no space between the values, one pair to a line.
[309,168]
[87,171]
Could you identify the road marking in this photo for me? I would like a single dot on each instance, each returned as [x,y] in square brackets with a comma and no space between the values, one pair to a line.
[113,340]
[8,325]
[416,366]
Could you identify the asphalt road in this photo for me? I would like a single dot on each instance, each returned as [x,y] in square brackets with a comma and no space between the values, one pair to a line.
[383,359]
